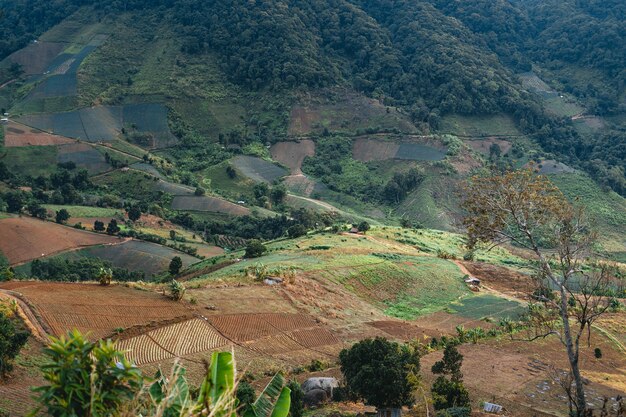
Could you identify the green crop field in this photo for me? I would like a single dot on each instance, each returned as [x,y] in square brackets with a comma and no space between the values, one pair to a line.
[31,160]
[83,211]
[478,126]
[482,306]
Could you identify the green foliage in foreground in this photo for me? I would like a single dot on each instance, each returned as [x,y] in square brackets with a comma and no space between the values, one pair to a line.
[381,372]
[95,380]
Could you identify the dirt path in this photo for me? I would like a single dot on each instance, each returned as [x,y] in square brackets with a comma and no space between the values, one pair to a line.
[27,315]
[8,82]
[318,202]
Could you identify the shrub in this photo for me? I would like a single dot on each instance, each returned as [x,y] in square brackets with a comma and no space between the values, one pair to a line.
[444,255]
[245,396]
[363,227]
[597,352]
[98,226]
[177,290]
[105,276]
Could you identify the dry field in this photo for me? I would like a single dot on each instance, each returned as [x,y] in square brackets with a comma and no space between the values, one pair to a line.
[16,135]
[92,308]
[292,154]
[483,145]
[25,238]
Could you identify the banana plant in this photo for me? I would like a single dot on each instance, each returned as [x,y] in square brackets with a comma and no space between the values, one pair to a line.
[274,401]
[217,393]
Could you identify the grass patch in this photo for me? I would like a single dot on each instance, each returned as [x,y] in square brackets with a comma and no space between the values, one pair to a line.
[606,209]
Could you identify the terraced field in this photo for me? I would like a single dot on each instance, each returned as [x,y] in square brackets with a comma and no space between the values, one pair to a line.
[174,340]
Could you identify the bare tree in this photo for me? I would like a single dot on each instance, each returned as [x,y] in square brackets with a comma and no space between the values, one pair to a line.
[527,210]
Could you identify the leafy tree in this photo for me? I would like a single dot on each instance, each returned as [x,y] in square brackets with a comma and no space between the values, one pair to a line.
[529,211]
[98,226]
[15,201]
[451,363]
[35,210]
[134,213]
[11,342]
[278,194]
[296,230]
[363,226]
[448,393]
[86,379]
[230,171]
[176,265]
[380,372]
[112,227]
[62,216]
[254,249]
[199,191]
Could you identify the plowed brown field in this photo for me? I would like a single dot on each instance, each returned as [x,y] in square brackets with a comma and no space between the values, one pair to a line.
[292,154]
[174,340]
[92,308]
[20,135]
[23,239]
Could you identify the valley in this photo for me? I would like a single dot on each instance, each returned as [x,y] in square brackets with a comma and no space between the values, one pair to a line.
[284,180]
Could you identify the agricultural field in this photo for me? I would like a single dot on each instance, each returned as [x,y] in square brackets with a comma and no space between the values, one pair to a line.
[345,112]
[133,255]
[258,169]
[216,178]
[209,204]
[26,238]
[105,123]
[36,57]
[84,156]
[92,308]
[479,126]
[292,154]
[486,306]
[20,135]
[483,145]
[31,160]
[86,212]
[367,149]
